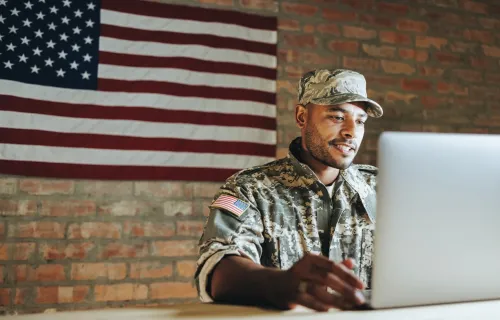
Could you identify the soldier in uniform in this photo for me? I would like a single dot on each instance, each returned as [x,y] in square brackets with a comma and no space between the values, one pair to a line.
[299,230]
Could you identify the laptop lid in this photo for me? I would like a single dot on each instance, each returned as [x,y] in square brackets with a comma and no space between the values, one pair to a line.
[438,219]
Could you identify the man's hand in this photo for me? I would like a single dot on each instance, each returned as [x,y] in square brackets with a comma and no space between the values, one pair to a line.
[307,283]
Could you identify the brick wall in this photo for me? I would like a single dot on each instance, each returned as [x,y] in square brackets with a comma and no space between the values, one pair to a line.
[433,64]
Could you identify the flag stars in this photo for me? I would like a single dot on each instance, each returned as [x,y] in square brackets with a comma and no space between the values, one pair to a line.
[74,65]
[64,37]
[60,73]
[88,40]
[37,51]
[2,19]
[62,55]
[75,47]
[23,58]
[49,62]
[15,12]
[3,3]
[38,34]
[41,1]
[40,15]
[78,13]
[13,29]
[25,40]
[28,5]
[66,3]
[1,37]
[51,44]
[8,64]
[91,6]
[77,30]
[65,20]
[35,69]
[11,47]
[87,57]
[53,10]
[89,23]
[52,26]
[27,23]
[86,75]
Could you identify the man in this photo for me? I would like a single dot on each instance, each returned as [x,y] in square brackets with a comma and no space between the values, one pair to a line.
[299,230]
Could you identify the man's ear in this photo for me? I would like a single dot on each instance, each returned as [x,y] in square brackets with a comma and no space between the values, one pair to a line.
[300,115]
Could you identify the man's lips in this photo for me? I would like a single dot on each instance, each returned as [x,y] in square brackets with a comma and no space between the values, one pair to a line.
[344,148]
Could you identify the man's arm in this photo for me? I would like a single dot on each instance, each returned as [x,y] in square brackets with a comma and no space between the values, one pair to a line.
[236,279]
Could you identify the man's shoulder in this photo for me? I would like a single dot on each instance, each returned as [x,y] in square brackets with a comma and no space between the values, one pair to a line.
[258,173]
[365,173]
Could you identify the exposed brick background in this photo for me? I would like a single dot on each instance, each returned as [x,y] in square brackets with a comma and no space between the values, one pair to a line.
[432,64]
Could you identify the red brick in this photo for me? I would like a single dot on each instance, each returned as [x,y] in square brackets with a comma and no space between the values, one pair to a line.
[5,297]
[93,188]
[21,294]
[489,23]
[17,208]
[4,251]
[60,251]
[431,71]
[359,33]
[289,56]
[61,294]
[8,186]
[178,208]
[447,58]
[392,8]
[147,270]
[393,67]
[121,292]
[492,77]
[343,46]
[294,72]
[491,51]
[377,21]
[468,75]
[483,63]
[361,63]
[288,24]
[169,290]
[338,16]
[260,5]
[454,88]
[329,29]
[190,228]
[18,251]
[86,230]
[441,17]
[175,248]
[163,189]
[206,189]
[379,51]
[41,229]
[479,35]
[300,40]
[430,102]
[311,58]
[94,271]
[120,250]
[285,85]
[298,9]
[126,208]
[427,42]
[445,3]
[45,272]
[462,47]
[73,208]
[412,25]
[46,187]
[206,209]
[395,37]
[416,85]
[475,6]
[357,4]
[149,229]
[417,55]
[382,80]
[2,230]
[308,28]
[186,268]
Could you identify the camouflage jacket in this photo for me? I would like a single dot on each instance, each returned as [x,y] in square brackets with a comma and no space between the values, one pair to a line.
[280,203]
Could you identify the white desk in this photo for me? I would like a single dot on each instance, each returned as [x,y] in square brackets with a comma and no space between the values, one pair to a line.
[471,311]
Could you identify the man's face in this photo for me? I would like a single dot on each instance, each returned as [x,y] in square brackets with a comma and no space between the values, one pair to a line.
[333,133]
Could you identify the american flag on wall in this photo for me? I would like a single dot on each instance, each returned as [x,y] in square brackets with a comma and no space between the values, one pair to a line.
[128,89]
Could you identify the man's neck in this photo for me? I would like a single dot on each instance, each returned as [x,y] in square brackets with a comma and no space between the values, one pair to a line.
[326,174]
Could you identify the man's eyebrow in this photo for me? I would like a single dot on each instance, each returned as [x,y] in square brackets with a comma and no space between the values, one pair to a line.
[337,109]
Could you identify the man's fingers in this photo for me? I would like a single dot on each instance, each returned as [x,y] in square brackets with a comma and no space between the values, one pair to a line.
[331,299]
[349,263]
[307,300]
[345,274]
[322,266]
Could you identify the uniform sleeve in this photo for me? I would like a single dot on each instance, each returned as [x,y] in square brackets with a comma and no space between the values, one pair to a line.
[227,232]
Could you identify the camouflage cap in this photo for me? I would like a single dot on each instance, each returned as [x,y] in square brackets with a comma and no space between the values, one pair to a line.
[330,87]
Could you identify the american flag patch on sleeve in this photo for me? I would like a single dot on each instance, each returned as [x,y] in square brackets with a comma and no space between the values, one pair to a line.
[231,204]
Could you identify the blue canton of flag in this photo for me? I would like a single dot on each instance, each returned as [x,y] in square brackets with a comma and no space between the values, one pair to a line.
[240,204]
[50,42]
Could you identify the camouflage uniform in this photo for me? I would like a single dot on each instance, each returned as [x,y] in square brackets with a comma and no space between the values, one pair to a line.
[284,202]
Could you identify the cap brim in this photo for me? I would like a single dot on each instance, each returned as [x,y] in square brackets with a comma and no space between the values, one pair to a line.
[373,108]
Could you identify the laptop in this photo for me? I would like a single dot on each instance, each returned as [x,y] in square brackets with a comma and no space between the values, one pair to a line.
[437,237]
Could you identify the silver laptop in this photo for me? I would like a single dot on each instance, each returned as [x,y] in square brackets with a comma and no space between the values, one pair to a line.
[438,219]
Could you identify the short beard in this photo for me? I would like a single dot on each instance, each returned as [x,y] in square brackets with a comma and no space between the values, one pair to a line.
[317,151]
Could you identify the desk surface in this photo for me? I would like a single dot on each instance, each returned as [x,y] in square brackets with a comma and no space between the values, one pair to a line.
[473,310]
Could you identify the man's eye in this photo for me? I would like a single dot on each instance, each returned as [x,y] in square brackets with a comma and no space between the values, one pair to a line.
[361,122]
[337,118]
